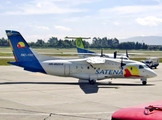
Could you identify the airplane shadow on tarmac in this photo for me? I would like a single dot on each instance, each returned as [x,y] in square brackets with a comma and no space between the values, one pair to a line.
[84,85]
[89,89]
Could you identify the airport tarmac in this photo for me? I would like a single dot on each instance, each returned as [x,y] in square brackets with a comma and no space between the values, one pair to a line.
[34,96]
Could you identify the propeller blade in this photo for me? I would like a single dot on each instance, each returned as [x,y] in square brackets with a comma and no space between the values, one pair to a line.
[127,53]
[115,53]
[101,53]
[122,64]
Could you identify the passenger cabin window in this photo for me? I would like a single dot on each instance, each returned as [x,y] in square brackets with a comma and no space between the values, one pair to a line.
[141,67]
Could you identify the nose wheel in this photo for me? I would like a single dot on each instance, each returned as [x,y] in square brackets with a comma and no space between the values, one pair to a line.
[92,82]
[144,81]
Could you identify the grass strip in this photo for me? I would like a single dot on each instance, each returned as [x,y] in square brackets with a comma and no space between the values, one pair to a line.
[3,61]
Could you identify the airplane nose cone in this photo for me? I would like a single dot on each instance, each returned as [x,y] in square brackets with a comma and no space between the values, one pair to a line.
[155,74]
[152,74]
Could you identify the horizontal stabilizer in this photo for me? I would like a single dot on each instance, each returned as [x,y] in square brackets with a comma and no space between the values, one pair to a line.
[77,37]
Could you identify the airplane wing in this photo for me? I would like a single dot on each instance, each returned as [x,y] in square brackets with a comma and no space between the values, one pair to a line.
[101,62]
[124,54]
[74,53]
[95,60]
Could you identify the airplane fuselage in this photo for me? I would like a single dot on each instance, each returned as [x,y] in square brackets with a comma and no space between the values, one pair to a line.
[79,68]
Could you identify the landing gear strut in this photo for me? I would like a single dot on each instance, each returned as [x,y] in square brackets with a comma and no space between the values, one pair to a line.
[92,82]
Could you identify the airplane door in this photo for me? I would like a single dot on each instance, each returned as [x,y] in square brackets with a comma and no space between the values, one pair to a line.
[66,70]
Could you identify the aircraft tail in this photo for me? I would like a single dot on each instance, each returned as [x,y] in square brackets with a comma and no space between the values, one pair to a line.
[80,47]
[24,56]
[79,43]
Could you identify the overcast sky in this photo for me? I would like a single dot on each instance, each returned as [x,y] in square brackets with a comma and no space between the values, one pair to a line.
[42,19]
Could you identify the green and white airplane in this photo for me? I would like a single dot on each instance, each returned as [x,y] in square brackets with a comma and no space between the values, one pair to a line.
[83,53]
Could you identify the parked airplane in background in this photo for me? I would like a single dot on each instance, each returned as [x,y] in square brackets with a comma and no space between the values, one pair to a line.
[90,68]
[82,52]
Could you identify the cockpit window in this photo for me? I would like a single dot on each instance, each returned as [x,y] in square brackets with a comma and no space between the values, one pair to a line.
[145,66]
[141,67]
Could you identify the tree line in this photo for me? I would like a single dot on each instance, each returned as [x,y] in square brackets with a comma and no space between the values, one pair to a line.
[97,42]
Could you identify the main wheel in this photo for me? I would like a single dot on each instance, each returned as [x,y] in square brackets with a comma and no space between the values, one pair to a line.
[92,82]
[144,82]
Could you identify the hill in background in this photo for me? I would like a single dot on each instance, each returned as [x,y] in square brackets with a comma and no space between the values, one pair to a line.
[149,40]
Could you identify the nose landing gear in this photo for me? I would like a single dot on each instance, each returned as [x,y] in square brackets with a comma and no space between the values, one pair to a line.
[144,81]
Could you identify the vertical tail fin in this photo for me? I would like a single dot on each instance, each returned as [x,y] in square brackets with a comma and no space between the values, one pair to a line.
[20,47]
[79,43]
[23,54]
[80,46]
[81,49]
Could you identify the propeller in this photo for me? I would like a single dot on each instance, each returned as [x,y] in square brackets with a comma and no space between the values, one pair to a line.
[101,53]
[115,54]
[127,53]
[122,64]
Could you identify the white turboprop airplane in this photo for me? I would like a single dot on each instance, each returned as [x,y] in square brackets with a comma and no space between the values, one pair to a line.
[90,69]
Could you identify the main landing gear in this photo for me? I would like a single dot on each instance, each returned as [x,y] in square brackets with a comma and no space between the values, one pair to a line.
[92,82]
[144,81]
